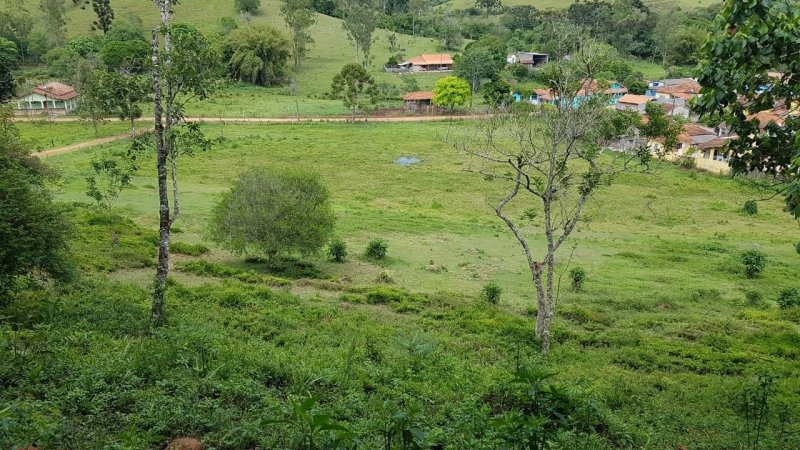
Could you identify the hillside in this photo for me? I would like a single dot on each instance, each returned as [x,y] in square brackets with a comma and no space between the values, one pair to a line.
[656,4]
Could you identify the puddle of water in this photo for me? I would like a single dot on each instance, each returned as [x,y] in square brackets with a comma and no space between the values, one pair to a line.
[407,161]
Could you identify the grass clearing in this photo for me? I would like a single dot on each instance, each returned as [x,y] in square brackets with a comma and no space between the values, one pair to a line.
[661,331]
[48,135]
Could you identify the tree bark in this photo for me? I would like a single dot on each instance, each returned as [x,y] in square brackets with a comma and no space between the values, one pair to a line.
[162,270]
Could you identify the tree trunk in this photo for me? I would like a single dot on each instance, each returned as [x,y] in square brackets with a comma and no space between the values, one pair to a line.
[162,270]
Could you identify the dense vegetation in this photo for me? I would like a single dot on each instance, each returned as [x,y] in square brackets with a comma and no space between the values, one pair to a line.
[347,285]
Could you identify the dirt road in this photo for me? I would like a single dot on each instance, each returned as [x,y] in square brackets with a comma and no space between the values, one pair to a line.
[244,120]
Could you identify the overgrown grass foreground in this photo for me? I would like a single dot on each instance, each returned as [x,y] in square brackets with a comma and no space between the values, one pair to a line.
[666,344]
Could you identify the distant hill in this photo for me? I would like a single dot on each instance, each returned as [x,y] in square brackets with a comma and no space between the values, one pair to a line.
[565,3]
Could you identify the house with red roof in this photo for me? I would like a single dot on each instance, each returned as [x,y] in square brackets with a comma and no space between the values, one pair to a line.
[440,62]
[419,101]
[50,98]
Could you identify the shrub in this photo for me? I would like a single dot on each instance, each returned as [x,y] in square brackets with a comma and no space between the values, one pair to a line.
[491,292]
[751,207]
[789,298]
[797,247]
[337,250]
[754,262]
[248,6]
[384,277]
[273,212]
[578,276]
[753,298]
[183,248]
[376,249]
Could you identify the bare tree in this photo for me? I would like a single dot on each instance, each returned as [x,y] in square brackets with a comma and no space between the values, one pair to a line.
[553,156]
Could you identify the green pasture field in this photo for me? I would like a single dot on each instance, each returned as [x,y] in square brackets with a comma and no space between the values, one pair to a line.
[47,135]
[661,335]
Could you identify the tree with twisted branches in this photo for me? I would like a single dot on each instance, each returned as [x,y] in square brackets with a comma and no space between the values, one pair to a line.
[554,157]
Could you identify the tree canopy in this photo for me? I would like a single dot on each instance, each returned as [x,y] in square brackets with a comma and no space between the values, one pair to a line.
[273,212]
[355,87]
[33,229]
[750,75]
[257,54]
[451,92]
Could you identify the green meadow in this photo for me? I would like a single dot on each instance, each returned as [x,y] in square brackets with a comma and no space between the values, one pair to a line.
[659,345]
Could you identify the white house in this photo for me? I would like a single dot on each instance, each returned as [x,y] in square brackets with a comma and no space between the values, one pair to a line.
[51,98]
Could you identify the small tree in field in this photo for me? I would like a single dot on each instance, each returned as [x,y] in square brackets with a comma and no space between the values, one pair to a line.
[355,87]
[451,92]
[273,212]
[105,183]
[554,157]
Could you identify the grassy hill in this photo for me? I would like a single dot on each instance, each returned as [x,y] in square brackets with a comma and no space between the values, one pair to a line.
[658,346]
[461,4]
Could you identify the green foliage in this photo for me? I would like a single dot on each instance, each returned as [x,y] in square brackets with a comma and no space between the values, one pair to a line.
[108,178]
[578,276]
[753,298]
[481,60]
[751,207]
[9,59]
[738,65]
[337,250]
[248,6]
[376,249]
[206,269]
[273,212]
[789,298]
[104,13]
[754,263]
[257,54]
[520,72]
[540,410]
[497,93]
[451,92]
[355,87]
[491,292]
[359,20]
[183,248]
[33,229]
[299,17]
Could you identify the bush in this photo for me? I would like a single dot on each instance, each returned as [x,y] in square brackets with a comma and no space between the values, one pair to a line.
[376,249]
[337,250]
[384,277]
[789,298]
[797,247]
[273,212]
[753,298]
[491,292]
[578,276]
[754,262]
[750,207]
[182,248]
[248,6]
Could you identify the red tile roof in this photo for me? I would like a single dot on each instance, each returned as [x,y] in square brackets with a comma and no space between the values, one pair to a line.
[431,59]
[683,90]
[635,99]
[56,91]
[418,95]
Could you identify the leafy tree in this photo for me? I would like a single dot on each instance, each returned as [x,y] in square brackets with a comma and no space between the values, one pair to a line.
[85,45]
[750,68]
[661,124]
[299,17]
[248,6]
[475,65]
[184,67]
[417,8]
[355,87]
[109,176]
[451,91]
[53,11]
[16,25]
[33,229]
[104,13]
[257,54]
[488,5]
[273,212]
[119,94]
[549,155]
[450,33]
[360,18]
[497,93]
[9,59]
